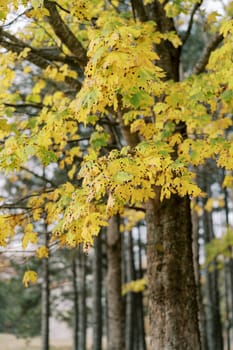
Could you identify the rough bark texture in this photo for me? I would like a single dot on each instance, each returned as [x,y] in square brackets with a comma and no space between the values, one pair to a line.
[171,284]
[115,301]
[64,33]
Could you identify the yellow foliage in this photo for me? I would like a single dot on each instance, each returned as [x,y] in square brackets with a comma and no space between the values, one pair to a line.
[29,236]
[29,277]
[228,181]
[42,252]
[136,286]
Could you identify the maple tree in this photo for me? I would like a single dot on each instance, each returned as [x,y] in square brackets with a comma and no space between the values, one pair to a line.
[108,108]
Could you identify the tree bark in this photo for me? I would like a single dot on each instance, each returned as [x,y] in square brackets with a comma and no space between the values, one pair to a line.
[115,301]
[75,302]
[130,339]
[201,314]
[171,285]
[45,295]
[82,302]
[213,317]
[141,335]
[97,294]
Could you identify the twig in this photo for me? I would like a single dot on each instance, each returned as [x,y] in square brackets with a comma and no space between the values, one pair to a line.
[41,177]
[16,18]
[201,64]
[187,34]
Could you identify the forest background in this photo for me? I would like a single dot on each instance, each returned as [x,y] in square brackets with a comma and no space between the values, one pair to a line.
[116,133]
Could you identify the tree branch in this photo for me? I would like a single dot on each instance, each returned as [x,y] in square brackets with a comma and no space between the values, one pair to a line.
[24,105]
[213,44]
[17,17]
[40,57]
[65,34]
[41,177]
[139,10]
[187,34]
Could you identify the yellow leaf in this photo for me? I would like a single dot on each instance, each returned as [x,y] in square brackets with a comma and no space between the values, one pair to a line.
[228,181]
[136,286]
[29,237]
[24,53]
[29,276]
[209,205]
[42,252]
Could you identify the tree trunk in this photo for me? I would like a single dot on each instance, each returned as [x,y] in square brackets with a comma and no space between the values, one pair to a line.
[130,339]
[75,301]
[45,302]
[139,297]
[97,294]
[171,285]
[227,306]
[201,314]
[213,317]
[228,275]
[82,302]
[115,300]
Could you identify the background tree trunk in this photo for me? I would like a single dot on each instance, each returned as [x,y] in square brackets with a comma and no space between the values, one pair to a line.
[139,299]
[75,301]
[130,322]
[82,302]
[97,295]
[45,297]
[213,317]
[115,301]
[201,314]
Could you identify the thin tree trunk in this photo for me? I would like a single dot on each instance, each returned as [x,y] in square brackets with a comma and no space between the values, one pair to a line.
[227,306]
[202,319]
[171,285]
[140,308]
[97,294]
[214,326]
[228,276]
[131,340]
[75,302]
[115,301]
[45,294]
[104,271]
[82,302]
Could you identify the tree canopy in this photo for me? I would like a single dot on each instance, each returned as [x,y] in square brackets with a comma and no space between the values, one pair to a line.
[89,91]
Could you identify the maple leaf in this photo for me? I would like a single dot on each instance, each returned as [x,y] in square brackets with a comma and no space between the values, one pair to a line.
[30,276]
[42,252]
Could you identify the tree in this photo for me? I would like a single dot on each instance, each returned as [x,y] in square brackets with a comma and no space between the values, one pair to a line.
[113,69]
[23,318]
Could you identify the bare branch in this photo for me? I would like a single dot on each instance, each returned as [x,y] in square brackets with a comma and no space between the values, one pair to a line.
[24,105]
[16,18]
[194,10]
[41,177]
[213,44]
[15,204]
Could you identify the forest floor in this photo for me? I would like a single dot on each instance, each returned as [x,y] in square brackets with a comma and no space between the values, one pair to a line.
[60,339]
[10,342]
